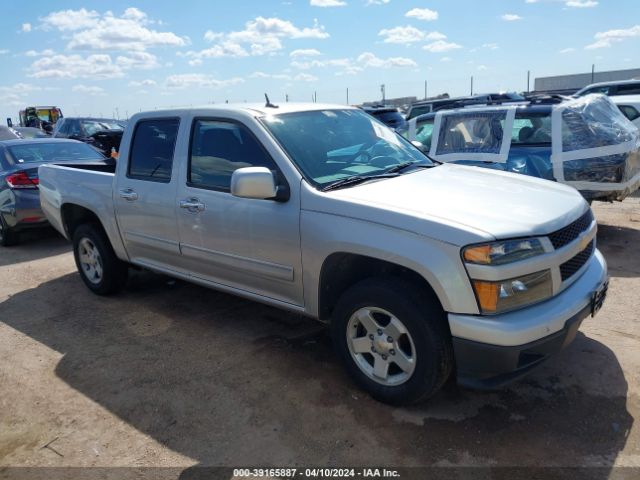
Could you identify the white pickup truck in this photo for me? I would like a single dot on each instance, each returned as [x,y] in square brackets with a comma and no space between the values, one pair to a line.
[422,270]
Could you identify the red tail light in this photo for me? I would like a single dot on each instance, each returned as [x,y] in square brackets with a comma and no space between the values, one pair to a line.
[21,180]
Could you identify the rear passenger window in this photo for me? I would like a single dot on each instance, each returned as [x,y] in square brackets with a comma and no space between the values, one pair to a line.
[630,112]
[220,148]
[531,128]
[631,89]
[151,156]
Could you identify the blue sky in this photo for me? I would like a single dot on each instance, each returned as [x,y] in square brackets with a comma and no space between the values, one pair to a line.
[145,54]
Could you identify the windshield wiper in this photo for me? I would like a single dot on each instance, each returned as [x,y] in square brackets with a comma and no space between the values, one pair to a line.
[401,166]
[354,179]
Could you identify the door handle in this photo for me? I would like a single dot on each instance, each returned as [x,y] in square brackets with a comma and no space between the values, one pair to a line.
[193,205]
[128,194]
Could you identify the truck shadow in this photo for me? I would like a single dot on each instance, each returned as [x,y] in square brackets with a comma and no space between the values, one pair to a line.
[231,382]
[34,245]
[621,248]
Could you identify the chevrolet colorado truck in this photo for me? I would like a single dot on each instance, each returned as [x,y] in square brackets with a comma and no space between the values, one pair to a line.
[422,270]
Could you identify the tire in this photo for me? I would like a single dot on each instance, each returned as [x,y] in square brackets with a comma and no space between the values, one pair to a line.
[99,267]
[7,237]
[425,343]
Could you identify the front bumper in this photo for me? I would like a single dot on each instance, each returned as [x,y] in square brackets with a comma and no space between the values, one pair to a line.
[493,350]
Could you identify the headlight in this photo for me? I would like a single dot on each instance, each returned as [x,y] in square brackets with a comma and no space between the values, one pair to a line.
[505,295]
[499,253]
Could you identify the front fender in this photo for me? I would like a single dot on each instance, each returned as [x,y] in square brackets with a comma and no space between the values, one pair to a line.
[437,262]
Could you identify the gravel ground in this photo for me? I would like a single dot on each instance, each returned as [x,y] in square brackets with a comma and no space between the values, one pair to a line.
[171,374]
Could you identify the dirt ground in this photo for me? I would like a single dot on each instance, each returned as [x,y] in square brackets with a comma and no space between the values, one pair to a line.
[172,374]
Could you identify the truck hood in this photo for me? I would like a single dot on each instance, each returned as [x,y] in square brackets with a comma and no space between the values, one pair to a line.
[473,200]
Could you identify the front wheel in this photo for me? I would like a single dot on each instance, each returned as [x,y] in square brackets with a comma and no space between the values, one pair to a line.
[100,269]
[393,340]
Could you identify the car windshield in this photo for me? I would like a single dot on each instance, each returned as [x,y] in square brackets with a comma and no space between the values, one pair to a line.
[51,152]
[329,145]
[91,127]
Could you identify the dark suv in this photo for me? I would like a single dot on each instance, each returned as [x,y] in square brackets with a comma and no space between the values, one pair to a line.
[101,133]
[390,116]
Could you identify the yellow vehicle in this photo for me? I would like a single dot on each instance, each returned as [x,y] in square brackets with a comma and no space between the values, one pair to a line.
[40,117]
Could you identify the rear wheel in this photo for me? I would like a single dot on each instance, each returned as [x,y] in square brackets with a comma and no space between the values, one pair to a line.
[101,270]
[7,237]
[393,340]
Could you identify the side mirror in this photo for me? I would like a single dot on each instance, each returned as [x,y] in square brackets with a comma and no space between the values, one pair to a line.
[254,182]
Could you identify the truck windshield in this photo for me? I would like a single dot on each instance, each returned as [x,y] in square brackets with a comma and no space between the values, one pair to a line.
[51,152]
[330,145]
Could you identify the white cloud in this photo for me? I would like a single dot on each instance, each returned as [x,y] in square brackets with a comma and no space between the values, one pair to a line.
[567,50]
[35,53]
[186,80]
[491,46]
[608,38]
[347,66]
[327,3]
[26,27]
[441,46]
[261,36]
[377,2]
[408,34]
[402,35]
[445,59]
[307,52]
[93,31]
[141,60]
[142,83]
[276,76]
[422,14]
[70,20]
[581,3]
[368,59]
[98,66]
[305,77]
[89,90]
[3,51]
[13,95]
[511,17]
[482,68]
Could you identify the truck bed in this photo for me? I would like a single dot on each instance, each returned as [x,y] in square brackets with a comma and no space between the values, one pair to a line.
[86,184]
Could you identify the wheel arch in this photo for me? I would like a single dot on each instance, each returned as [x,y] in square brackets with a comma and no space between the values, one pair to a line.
[341,270]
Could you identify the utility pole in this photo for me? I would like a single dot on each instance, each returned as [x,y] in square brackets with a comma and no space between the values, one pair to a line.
[425,90]
[347,95]
[528,79]
[593,72]
[286,97]
[383,93]
[471,84]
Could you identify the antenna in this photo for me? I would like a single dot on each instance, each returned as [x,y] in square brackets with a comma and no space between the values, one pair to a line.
[269,104]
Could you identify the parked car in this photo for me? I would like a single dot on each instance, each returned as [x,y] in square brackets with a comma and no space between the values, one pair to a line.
[629,105]
[31,132]
[422,270]
[390,116]
[102,133]
[585,142]
[435,104]
[8,133]
[19,195]
[622,87]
